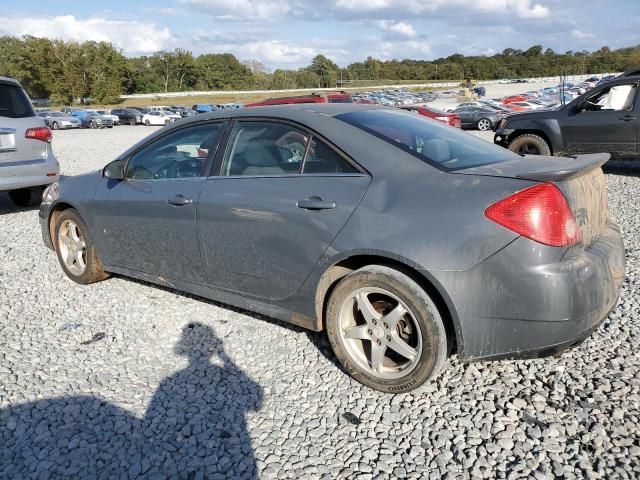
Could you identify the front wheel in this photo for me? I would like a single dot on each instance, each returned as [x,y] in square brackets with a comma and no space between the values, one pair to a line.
[93,124]
[76,252]
[529,144]
[385,330]
[27,197]
[484,124]
[147,123]
[55,126]
[132,122]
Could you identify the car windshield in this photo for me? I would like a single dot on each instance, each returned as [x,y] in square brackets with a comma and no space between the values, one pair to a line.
[57,114]
[14,103]
[439,145]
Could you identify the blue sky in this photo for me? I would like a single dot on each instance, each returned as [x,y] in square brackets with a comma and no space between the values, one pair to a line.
[288,33]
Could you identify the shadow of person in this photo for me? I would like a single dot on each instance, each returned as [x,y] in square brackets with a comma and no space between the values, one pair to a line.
[195,426]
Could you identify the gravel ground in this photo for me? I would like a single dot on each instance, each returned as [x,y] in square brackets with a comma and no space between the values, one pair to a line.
[123,379]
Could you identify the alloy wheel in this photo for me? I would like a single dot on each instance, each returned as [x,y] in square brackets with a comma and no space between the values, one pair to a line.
[484,124]
[528,149]
[73,248]
[380,333]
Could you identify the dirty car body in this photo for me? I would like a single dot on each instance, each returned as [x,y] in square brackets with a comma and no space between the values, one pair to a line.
[277,242]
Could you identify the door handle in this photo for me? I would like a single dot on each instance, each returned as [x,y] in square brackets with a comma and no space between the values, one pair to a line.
[315,203]
[627,118]
[179,200]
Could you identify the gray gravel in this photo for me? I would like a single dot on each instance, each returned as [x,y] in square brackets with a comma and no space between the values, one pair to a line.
[122,379]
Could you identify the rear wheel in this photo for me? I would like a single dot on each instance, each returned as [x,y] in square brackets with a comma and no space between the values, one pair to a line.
[484,124]
[76,252]
[385,330]
[132,122]
[27,197]
[530,144]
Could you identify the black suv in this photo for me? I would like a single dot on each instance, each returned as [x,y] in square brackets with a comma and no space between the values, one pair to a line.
[604,119]
[127,115]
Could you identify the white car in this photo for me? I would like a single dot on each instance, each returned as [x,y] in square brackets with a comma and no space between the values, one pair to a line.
[157,118]
[114,118]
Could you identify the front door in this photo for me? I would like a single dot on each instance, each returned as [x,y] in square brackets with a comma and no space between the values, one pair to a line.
[280,199]
[607,122]
[148,220]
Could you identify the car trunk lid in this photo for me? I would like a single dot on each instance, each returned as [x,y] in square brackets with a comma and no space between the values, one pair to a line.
[580,179]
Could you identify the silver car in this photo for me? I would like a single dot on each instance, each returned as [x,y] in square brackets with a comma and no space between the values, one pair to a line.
[27,163]
[59,120]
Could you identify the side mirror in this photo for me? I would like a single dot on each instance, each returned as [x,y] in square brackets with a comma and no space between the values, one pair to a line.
[114,170]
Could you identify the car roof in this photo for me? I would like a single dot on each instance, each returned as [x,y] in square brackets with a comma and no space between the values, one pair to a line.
[9,81]
[289,111]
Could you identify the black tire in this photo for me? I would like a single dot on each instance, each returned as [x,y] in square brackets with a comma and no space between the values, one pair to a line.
[132,122]
[27,197]
[484,125]
[93,124]
[529,144]
[147,123]
[93,271]
[422,309]
[55,126]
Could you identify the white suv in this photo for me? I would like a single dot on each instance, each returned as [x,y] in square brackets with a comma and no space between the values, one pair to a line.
[27,163]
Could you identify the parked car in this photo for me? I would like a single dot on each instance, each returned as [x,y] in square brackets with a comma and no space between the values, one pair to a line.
[481,118]
[115,120]
[445,117]
[514,98]
[157,117]
[27,163]
[59,120]
[92,119]
[203,108]
[605,119]
[340,239]
[128,116]
[331,97]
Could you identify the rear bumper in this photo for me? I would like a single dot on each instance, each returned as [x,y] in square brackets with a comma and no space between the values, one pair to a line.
[530,300]
[30,173]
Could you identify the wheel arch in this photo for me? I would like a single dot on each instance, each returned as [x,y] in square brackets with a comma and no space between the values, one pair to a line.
[341,268]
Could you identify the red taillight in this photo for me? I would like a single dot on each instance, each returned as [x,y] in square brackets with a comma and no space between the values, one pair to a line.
[540,213]
[454,121]
[39,133]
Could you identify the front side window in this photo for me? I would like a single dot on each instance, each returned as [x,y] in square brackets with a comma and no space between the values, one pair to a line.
[180,154]
[617,97]
[258,148]
[443,147]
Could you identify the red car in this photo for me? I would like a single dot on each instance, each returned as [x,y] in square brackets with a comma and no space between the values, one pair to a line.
[449,118]
[337,97]
[514,98]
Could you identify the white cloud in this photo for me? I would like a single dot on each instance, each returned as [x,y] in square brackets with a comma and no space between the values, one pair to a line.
[133,37]
[399,29]
[579,34]
[243,9]
[404,8]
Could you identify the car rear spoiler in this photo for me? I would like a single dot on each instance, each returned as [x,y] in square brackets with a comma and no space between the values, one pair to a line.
[542,168]
[568,168]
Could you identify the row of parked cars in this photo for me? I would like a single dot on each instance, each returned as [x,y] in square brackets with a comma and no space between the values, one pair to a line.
[71,117]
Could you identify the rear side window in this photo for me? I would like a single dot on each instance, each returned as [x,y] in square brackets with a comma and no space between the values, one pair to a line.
[439,145]
[14,103]
[323,159]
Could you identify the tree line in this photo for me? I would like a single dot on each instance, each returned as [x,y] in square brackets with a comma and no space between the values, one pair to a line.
[64,71]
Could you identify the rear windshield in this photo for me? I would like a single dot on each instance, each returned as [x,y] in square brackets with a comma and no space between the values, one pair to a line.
[444,147]
[14,103]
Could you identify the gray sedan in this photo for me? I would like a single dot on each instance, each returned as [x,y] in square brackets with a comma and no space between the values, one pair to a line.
[404,239]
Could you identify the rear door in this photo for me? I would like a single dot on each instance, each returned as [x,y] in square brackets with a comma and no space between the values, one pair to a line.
[270,214]
[16,116]
[608,122]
